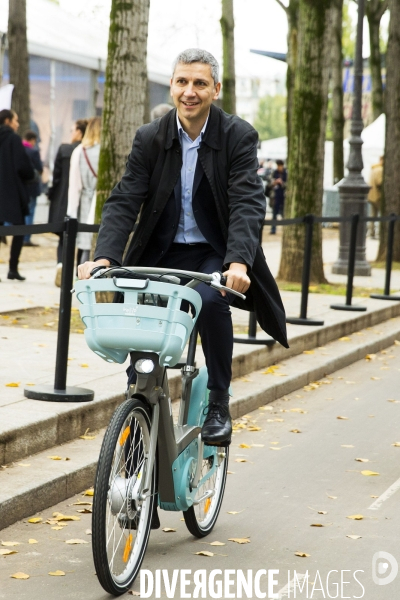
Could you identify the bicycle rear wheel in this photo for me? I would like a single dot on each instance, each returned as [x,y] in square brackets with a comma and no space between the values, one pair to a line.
[202,516]
[121,520]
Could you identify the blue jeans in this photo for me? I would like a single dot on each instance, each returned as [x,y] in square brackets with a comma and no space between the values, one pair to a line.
[29,218]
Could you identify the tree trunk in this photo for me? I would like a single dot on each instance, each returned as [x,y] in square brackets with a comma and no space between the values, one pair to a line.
[307,136]
[125,92]
[228,47]
[337,91]
[19,61]
[374,11]
[391,180]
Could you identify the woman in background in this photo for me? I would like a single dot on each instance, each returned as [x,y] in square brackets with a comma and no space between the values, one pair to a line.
[58,193]
[82,184]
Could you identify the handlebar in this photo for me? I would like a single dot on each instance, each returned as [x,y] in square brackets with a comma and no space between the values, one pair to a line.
[215,280]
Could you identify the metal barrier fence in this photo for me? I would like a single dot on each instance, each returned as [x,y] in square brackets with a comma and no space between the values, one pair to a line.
[60,392]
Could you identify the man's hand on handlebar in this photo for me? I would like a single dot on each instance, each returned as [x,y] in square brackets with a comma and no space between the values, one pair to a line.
[85,270]
[237,278]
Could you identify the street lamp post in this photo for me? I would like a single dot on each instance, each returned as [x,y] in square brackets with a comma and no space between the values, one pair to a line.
[353,189]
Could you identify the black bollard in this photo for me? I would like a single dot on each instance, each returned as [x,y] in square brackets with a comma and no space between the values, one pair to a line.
[252,335]
[305,283]
[389,261]
[350,270]
[60,392]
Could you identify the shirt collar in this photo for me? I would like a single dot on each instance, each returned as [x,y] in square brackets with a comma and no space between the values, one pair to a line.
[181,130]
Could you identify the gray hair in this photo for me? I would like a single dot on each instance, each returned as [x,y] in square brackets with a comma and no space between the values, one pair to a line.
[160,110]
[192,55]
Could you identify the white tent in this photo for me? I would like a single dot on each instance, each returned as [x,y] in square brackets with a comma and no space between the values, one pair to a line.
[277,148]
[373,147]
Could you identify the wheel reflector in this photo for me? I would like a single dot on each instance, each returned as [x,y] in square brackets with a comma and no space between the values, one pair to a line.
[124,435]
[207,505]
[127,549]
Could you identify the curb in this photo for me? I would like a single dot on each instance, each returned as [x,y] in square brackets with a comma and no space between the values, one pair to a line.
[25,432]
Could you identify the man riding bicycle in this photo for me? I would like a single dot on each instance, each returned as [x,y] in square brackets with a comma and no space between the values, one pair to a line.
[193,176]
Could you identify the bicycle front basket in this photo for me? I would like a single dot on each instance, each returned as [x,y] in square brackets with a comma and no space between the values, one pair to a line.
[115,329]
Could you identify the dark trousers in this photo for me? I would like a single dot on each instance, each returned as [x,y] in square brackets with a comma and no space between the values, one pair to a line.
[277,210]
[215,320]
[16,247]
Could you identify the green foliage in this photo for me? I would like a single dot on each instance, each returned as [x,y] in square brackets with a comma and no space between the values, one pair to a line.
[349,32]
[270,121]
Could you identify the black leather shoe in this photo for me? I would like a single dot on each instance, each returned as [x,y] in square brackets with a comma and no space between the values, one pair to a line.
[15,275]
[217,428]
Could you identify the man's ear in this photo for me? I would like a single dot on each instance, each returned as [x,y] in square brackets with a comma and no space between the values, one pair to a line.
[217,91]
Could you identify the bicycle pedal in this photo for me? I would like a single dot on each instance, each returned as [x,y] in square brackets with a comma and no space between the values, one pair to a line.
[224,444]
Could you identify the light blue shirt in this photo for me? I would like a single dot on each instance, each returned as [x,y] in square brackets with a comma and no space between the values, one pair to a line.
[188,231]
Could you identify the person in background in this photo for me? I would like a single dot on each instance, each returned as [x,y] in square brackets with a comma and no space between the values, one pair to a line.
[58,192]
[82,184]
[279,179]
[159,111]
[15,171]
[375,193]
[34,187]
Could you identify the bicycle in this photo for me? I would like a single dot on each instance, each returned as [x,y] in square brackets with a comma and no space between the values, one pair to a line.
[144,457]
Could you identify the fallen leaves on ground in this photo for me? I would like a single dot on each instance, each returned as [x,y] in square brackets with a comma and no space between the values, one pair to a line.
[217,544]
[35,520]
[369,473]
[13,384]
[265,408]
[298,410]
[204,553]
[84,365]
[24,464]
[376,378]
[234,512]
[346,445]
[10,544]
[362,460]
[370,357]
[57,573]
[75,541]
[20,575]
[32,541]
[169,530]
[396,444]
[295,431]
[302,554]
[342,418]
[308,351]
[86,436]
[356,517]
[89,492]
[332,497]
[55,457]
[345,339]
[240,460]
[60,517]
[133,593]
[244,446]
[82,503]
[239,540]
[354,537]
[5,552]
[317,525]
[253,428]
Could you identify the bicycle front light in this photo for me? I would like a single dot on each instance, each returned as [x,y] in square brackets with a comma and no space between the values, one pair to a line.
[144,365]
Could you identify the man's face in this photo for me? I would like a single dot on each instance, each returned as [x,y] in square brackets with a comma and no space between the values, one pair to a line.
[193,91]
[76,134]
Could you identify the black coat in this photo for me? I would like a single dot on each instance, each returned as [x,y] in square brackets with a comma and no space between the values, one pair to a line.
[34,188]
[228,157]
[15,170]
[58,193]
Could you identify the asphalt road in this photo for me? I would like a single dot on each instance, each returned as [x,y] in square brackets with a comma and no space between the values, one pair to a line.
[289,483]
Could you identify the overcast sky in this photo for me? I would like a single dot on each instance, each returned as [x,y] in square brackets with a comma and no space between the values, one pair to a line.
[178,24]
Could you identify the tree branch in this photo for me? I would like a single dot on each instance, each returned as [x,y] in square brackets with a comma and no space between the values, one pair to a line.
[383,8]
[285,8]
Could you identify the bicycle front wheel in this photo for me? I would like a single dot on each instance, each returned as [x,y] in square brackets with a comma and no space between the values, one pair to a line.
[121,519]
[202,516]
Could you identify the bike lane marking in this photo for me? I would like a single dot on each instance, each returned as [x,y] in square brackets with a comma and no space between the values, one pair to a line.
[385,496]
